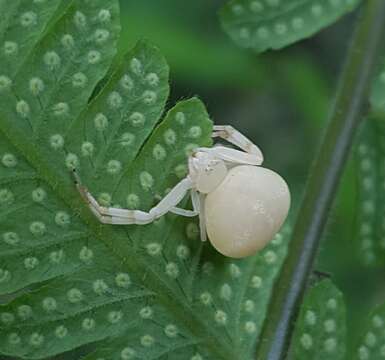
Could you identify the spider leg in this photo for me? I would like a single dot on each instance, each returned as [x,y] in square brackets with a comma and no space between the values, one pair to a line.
[189,213]
[233,156]
[183,212]
[253,155]
[116,216]
[198,201]
[99,211]
[167,204]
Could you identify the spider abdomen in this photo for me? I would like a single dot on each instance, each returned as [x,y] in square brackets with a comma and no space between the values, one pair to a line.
[246,210]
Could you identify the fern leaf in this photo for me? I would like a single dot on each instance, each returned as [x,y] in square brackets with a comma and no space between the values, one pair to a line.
[273,24]
[370,150]
[320,332]
[372,341]
[369,154]
[125,292]
[377,99]
[23,19]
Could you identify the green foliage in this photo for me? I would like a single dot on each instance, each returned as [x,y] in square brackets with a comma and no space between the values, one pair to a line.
[273,24]
[377,99]
[372,343]
[129,292]
[370,154]
[199,58]
[320,332]
[22,17]
[370,166]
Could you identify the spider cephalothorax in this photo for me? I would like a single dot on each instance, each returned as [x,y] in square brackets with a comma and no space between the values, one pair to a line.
[206,171]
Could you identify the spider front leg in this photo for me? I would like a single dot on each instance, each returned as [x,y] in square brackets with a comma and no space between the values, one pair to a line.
[99,211]
[251,154]
[116,216]
[236,138]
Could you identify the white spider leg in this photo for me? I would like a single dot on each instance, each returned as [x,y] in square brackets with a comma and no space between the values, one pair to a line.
[183,212]
[103,214]
[195,200]
[202,217]
[233,156]
[173,198]
[98,210]
[198,201]
[117,216]
[195,204]
[168,203]
[234,137]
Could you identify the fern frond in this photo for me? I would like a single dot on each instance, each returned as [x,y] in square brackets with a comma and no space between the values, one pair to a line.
[273,24]
[372,341]
[320,332]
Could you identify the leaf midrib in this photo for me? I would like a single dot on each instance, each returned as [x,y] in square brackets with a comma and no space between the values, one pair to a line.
[74,236]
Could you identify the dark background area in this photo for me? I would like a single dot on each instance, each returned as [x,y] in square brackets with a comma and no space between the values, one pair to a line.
[279,99]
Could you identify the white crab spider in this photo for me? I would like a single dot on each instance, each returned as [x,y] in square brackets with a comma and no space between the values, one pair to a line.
[241,205]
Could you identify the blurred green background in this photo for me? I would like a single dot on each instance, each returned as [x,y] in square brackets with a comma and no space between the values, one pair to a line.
[279,99]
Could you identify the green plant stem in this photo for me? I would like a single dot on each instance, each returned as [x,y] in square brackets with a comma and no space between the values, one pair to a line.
[348,111]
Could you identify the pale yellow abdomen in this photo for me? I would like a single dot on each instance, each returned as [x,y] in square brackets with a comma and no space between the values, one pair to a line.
[246,210]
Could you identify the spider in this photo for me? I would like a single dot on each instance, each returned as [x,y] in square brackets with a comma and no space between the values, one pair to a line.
[241,205]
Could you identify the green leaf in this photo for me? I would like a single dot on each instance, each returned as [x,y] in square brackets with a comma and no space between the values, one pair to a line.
[22,20]
[372,343]
[320,332]
[370,152]
[273,24]
[377,95]
[256,297]
[115,125]
[126,292]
